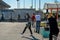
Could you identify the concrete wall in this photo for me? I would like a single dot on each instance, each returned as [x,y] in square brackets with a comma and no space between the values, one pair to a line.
[22,12]
[6,13]
[15,12]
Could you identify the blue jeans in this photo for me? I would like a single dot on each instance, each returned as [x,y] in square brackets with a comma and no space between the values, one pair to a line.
[37,26]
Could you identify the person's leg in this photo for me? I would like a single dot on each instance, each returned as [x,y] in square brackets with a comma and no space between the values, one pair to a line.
[30,29]
[24,29]
[50,37]
[36,26]
[38,29]
[32,23]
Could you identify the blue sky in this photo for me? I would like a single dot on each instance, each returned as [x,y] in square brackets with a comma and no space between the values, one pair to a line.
[13,3]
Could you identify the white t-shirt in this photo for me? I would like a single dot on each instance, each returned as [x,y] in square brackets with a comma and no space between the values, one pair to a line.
[38,17]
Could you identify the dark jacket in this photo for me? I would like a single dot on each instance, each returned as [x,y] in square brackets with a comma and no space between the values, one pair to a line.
[53,25]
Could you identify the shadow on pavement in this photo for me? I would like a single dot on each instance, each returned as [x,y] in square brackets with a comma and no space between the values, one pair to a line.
[33,38]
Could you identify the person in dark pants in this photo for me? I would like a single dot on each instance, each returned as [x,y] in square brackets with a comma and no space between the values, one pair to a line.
[38,26]
[38,21]
[53,27]
[28,25]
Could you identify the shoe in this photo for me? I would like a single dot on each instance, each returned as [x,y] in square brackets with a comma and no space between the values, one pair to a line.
[21,33]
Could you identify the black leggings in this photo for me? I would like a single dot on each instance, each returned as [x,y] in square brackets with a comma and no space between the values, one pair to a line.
[29,27]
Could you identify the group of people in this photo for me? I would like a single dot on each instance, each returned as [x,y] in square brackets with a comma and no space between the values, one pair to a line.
[31,21]
[52,22]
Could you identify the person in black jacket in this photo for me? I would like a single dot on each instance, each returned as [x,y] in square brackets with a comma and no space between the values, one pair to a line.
[53,27]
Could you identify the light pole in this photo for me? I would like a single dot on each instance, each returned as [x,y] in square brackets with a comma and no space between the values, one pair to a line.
[35,4]
[56,2]
[47,9]
[39,4]
[18,4]
[31,3]
[24,3]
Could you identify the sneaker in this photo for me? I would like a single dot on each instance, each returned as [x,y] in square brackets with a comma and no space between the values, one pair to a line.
[21,33]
